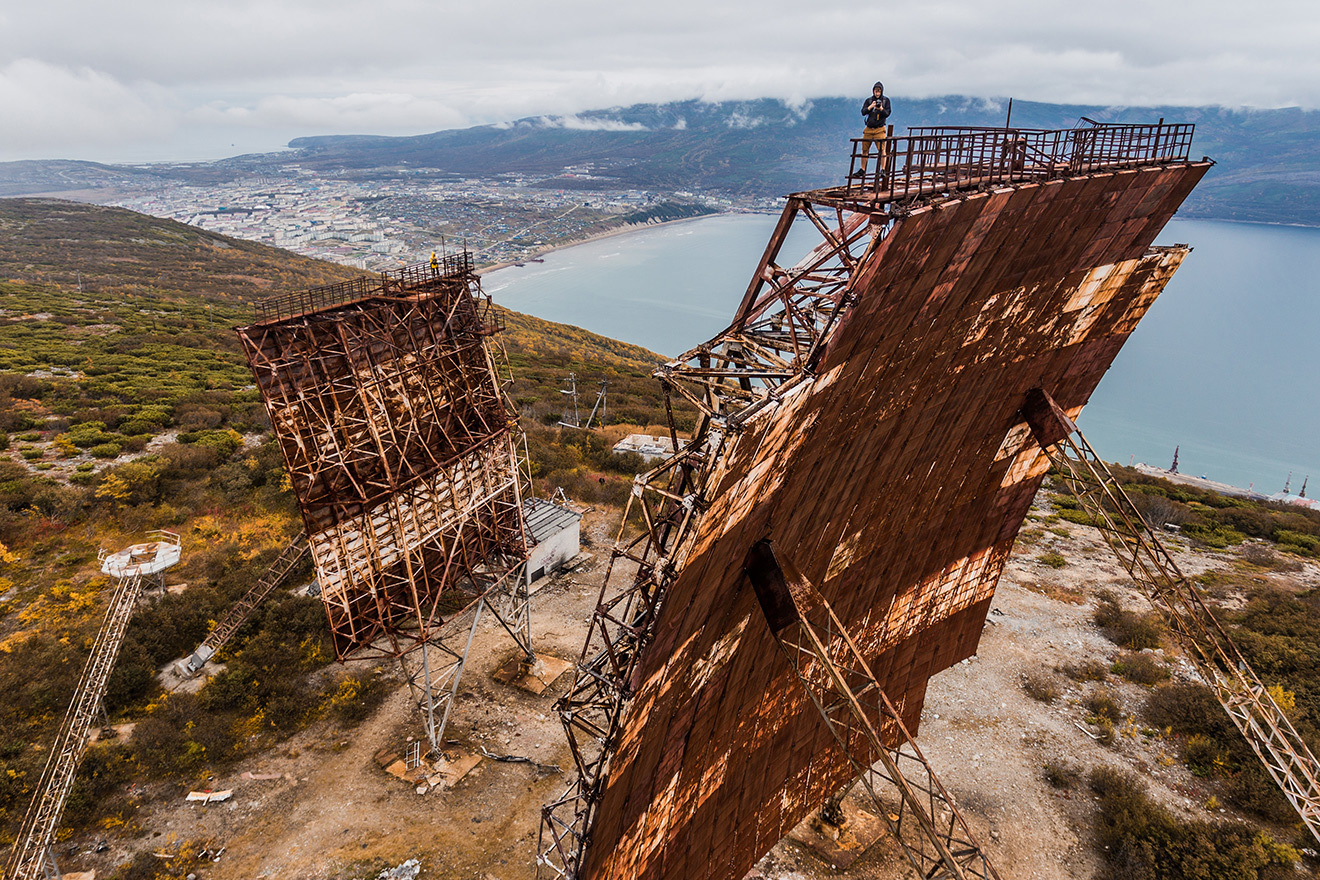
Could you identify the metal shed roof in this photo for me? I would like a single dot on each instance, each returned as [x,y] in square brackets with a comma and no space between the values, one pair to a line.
[545,519]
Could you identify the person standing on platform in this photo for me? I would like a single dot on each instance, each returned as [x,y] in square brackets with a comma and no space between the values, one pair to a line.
[876,109]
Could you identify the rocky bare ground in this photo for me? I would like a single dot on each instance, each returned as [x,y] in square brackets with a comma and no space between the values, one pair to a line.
[323,807]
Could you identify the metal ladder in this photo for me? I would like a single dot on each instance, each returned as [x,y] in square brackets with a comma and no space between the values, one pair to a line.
[238,615]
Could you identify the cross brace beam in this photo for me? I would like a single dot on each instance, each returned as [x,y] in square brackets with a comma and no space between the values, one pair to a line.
[1198,634]
[832,670]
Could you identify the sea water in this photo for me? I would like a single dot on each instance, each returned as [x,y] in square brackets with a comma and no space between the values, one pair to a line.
[1223,366]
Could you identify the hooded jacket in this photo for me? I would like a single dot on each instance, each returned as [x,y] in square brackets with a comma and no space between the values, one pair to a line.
[876,111]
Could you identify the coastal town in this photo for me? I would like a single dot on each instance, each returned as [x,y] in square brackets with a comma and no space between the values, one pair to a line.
[383,222]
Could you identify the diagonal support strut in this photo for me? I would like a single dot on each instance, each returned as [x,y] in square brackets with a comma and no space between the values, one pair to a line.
[925,821]
[1239,690]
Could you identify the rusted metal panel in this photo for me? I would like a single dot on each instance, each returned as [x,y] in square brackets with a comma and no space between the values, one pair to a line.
[396,436]
[897,472]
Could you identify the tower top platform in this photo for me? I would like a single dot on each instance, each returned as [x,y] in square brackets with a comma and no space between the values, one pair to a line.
[145,559]
[932,160]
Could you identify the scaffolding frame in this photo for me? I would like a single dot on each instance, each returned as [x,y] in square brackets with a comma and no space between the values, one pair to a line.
[401,445]
[1245,698]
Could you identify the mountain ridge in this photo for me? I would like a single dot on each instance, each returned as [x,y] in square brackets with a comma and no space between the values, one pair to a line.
[1266,169]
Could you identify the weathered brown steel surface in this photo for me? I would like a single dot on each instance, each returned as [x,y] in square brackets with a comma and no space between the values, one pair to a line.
[396,436]
[897,473]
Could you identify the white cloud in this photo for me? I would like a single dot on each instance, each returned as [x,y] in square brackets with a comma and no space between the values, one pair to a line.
[49,109]
[577,123]
[355,113]
[280,68]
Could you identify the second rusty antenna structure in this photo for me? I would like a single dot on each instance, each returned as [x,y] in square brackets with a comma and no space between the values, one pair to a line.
[402,449]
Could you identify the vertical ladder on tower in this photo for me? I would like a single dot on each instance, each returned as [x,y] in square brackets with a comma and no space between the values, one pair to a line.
[238,615]
[29,857]
[924,820]
[1198,634]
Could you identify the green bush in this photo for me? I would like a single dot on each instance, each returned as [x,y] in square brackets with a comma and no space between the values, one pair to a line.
[225,442]
[1042,686]
[1296,542]
[1087,670]
[1103,703]
[1142,840]
[1203,755]
[1079,517]
[106,450]
[90,434]
[1062,775]
[1140,669]
[1126,628]
[1191,710]
[1053,559]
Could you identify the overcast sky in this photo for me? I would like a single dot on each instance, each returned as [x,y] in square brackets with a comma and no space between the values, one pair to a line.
[149,80]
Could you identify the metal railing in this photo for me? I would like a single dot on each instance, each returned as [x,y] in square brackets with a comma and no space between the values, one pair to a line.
[932,159]
[449,267]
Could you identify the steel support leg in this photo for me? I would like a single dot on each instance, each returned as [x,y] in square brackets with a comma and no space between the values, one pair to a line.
[434,672]
[925,821]
[1243,695]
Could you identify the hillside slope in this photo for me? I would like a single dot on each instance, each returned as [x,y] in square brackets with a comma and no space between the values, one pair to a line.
[126,405]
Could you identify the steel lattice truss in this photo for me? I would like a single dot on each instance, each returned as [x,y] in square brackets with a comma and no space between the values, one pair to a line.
[225,628]
[896,776]
[666,500]
[29,857]
[785,316]
[862,408]
[398,439]
[1241,692]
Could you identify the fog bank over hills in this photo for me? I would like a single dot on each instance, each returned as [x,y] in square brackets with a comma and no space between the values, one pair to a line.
[1266,172]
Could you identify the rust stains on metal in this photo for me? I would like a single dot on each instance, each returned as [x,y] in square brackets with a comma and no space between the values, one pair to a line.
[396,435]
[862,411]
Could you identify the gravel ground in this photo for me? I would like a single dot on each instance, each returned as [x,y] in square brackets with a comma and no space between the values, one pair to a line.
[334,813]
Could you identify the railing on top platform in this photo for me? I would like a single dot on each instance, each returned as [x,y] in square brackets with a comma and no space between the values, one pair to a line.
[449,267]
[934,159]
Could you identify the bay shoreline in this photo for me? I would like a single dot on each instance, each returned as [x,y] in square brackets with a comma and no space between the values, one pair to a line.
[610,233]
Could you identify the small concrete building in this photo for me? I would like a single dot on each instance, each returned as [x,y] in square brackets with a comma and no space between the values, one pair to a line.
[554,535]
[647,446]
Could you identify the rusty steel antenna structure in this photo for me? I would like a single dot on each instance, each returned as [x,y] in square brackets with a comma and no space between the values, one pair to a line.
[861,411]
[401,446]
